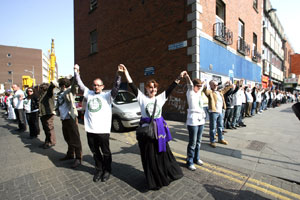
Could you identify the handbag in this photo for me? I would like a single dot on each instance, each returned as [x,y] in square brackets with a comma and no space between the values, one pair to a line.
[147,132]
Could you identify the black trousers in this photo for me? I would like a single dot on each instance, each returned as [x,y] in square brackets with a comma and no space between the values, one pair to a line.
[228,117]
[96,142]
[20,115]
[33,123]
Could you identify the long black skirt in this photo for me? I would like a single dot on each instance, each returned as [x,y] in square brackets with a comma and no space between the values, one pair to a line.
[160,168]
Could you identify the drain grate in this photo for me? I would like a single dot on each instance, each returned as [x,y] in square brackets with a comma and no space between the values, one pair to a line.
[256,145]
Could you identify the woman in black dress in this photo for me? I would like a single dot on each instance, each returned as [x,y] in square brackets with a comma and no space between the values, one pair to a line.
[159,164]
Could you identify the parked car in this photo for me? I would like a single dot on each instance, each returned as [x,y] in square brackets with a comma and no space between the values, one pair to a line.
[79,102]
[126,112]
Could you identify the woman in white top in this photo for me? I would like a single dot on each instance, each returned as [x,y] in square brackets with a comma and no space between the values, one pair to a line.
[160,166]
[31,107]
[195,121]
[10,108]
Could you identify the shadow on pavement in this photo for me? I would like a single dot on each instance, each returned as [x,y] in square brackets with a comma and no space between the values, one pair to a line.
[224,193]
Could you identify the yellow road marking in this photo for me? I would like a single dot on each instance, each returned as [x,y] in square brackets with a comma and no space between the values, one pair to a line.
[130,136]
[244,178]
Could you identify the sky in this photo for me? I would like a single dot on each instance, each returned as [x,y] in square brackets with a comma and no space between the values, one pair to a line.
[33,23]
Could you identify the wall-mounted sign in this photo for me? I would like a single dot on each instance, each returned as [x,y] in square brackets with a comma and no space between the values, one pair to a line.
[177,45]
[149,71]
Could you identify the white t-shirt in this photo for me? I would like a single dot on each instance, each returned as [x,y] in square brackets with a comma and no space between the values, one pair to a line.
[147,104]
[18,104]
[219,103]
[98,114]
[63,107]
[195,114]
[238,97]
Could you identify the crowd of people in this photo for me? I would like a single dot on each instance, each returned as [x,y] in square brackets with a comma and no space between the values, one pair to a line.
[224,105]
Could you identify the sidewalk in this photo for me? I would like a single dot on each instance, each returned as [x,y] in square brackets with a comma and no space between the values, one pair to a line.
[29,172]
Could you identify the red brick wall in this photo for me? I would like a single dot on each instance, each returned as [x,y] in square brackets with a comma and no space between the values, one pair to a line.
[133,33]
[21,59]
[235,10]
[287,59]
[295,64]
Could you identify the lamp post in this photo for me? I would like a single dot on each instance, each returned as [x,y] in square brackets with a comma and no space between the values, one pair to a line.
[32,72]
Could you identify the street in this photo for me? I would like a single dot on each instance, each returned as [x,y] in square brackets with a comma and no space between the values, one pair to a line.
[261,161]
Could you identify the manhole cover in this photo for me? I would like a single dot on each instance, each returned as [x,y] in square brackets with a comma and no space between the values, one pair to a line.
[256,145]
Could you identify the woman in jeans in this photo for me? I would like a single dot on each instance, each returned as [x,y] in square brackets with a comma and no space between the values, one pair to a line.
[159,164]
[195,121]
[31,106]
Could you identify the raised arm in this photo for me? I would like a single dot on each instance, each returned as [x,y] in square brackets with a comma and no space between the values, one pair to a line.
[77,77]
[115,89]
[129,80]
[174,83]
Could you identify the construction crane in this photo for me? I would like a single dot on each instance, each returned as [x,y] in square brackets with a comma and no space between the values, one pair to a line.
[52,65]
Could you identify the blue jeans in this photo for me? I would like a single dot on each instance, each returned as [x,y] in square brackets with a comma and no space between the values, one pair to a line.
[253,108]
[236,115]
[206,112]
[193,148]
[215,123]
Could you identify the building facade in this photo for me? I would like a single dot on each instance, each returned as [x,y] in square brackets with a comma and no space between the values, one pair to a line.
[16,62]
[211,39]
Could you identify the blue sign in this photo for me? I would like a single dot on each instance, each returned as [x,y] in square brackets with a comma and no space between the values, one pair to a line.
[149,71]
[177,45]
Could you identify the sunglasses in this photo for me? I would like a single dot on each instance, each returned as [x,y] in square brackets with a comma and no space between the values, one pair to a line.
[95,85]
[29,90]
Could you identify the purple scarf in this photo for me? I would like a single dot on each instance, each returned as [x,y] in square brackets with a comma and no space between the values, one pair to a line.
[163,132]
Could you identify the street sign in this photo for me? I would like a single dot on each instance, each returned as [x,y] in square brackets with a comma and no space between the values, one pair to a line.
[149,71]
[177,45]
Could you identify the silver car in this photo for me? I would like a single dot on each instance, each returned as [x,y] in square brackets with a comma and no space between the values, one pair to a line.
[126,112]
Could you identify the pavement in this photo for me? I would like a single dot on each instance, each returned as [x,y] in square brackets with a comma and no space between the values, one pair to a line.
[261,161]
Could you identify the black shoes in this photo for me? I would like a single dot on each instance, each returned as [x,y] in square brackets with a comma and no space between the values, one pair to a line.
[97,176]
[243,125]
[100,175]
[105,176]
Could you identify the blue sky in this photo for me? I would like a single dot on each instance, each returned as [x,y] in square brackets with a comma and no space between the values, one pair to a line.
[32,24]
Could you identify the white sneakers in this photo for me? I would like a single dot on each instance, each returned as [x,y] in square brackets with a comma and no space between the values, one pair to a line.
[192,166]
[199,162]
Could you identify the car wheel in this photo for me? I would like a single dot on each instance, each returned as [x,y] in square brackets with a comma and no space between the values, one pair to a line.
[117,124]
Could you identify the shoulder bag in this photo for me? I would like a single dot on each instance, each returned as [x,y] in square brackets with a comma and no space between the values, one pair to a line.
[147,132]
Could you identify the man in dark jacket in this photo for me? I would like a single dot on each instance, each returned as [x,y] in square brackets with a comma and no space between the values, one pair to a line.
[228,96]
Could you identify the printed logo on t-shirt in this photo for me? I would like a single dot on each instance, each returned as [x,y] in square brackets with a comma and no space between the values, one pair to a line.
[94,105]
[25,101]
[149,110]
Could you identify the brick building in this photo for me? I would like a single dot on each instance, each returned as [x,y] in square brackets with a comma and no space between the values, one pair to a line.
[15,60]
[211,39]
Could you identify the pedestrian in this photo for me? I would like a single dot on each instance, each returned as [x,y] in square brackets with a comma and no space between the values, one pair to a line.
[31,107]
[159,164]
[67,111]
[9,105]
[230,104]
[216,104]
[195,120]
[47,112]
[18,99]
[249,101]
[97,122]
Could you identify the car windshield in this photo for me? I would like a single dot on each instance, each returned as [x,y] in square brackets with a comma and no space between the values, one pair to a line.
[125,97]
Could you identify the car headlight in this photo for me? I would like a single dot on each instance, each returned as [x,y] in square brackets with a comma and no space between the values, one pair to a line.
[128,115]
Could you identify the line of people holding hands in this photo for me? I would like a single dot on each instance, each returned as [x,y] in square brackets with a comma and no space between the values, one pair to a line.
[159,164]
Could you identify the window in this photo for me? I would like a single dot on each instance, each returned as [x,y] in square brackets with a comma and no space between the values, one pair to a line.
[9,80]
[10,72]
[9,55]
[241,29]
[93,39]
[93,4]
[255,5]
[220,11]
[9,64]
[254,41]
